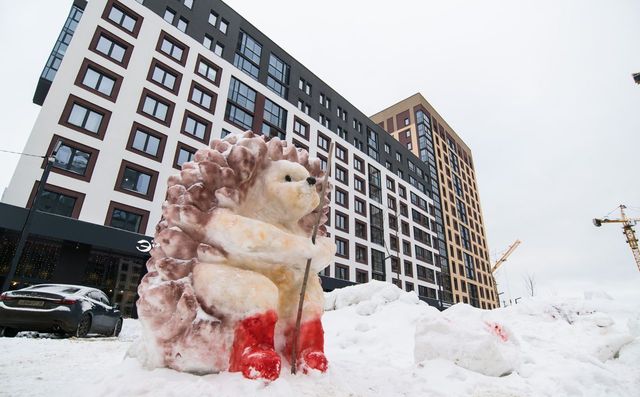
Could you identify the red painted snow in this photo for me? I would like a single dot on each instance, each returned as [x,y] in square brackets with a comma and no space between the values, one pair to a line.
[310,346]
[253,352]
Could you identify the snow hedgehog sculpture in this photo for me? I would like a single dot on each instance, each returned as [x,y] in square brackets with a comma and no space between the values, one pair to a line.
[224,279]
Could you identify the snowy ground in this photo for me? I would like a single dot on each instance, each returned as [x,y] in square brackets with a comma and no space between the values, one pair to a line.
[586,347]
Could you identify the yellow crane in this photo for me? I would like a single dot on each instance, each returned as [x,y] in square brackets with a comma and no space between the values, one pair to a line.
[506,255]
[627,230]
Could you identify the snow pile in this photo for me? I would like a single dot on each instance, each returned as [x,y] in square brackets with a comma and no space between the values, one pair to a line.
[471,338]
[380,341]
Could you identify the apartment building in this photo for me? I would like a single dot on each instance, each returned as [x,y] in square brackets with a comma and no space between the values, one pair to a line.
[134,88]
[420,128]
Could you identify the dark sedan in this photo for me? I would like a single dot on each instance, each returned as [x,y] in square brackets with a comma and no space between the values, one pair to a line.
[63,309]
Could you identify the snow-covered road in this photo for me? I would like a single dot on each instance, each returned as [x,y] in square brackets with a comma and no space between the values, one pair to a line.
[585,347]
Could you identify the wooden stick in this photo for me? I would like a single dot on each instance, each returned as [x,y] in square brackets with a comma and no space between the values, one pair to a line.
[303,290]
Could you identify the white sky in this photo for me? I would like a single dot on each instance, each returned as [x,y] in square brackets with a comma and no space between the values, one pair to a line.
[540,90]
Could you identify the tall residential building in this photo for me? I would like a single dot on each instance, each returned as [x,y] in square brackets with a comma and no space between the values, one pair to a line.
[418,127]
[134,88]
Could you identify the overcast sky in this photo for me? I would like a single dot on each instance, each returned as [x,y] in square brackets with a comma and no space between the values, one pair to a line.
[540,90]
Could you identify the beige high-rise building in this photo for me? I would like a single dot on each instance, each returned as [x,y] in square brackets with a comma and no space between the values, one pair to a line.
[419,127]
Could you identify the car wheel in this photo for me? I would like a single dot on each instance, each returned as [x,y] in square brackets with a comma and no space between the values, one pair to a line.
[117,328]
[84,325]
[9,332]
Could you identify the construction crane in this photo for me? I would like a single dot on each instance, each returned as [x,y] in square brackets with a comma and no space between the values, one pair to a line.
[627,230]
[506,255]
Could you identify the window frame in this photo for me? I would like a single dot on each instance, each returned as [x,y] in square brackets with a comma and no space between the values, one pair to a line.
[127,11]
[170,107]
[167,69]
[210,64]
[207,131]
[113,205]
[346,246]
[214,97]
[93,46]
[93,153]
[79,197]
[136,167]
[161,146]
[86,64]
[185,49]
[66,112]
[181,145]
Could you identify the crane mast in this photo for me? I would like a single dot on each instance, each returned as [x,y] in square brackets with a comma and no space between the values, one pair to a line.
[627,230]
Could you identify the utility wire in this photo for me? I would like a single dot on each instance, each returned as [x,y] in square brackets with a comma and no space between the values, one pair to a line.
[22,154]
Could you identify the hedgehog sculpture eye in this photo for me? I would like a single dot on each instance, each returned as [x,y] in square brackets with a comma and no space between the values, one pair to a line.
[287,178]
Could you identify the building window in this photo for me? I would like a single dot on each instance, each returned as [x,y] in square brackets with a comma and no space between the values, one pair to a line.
[57,200]
[218,49]
[184,153]
[146,142]
[137,180]
[278,77]
[358,184]
[301,128]
[408,269]
[111,47]
[376,225]
[342,198]
[323,142]
[360,206]
[124,217]
[303,85]
[155,107]
[342,175]
[223,26]
[358,164]
[361,229]
[85,117]
[342,222]
[122,17]
[213,19]
[341,153]
[362,276]
[342,272]
[99,80]
[241,104]
[202,97]
[188,4]
[196,127]
[73,159]
[172,48]
[163,76]
[182,24]
[342,248]
[361,254]
[208,70]
[248,54]
[275,120]
[169,15]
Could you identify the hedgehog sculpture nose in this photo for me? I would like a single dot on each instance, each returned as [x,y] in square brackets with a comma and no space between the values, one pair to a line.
[311,180]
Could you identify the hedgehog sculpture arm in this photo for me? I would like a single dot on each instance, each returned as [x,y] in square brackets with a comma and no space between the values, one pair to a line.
[248,242]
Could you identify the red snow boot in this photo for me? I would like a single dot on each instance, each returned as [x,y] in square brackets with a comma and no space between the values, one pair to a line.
[310,349]
[253,353]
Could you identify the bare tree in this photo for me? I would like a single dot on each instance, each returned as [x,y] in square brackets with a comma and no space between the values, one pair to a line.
[530,284]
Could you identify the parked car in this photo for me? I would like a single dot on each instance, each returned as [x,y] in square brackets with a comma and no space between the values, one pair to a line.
[63,309]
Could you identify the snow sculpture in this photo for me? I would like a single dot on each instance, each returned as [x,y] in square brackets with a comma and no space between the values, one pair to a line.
[483,344]
[224,279]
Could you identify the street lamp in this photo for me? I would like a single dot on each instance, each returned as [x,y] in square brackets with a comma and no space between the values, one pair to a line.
[24,233]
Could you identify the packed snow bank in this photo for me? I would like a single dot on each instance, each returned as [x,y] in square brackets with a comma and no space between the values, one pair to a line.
[471,338]
[580,347]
